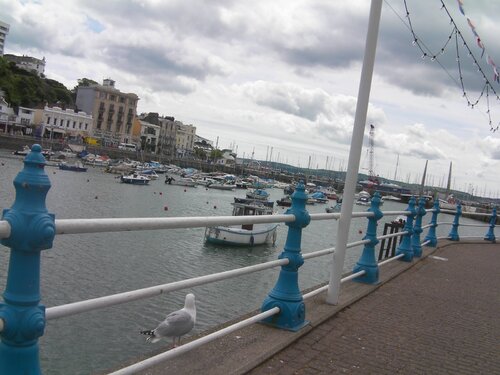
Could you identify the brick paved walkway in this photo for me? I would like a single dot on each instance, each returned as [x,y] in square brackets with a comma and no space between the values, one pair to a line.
[439,317]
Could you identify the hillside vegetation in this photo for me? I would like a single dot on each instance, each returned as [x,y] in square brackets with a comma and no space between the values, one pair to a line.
[26,89]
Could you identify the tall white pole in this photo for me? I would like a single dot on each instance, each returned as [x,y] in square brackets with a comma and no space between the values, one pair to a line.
[355,152]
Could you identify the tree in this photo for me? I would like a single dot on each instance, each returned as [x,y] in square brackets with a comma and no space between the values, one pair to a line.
[200,153]
[215,154]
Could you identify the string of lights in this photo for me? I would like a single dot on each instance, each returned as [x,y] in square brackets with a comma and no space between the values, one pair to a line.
[426,52]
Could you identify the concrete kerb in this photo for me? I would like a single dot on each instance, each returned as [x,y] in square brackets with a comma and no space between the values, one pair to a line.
[246,348]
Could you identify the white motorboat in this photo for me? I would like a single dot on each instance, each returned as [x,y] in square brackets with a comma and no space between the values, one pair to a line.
[246,234]
[182,181]
[135,179]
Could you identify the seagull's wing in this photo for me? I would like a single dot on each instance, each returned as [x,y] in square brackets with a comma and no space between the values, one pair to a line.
[176,324]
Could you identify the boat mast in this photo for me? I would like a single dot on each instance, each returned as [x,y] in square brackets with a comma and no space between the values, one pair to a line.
[449,182]
[396,171]
[371,144]
[422,184]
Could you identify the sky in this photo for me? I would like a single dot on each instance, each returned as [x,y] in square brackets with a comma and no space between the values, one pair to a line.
[279,79]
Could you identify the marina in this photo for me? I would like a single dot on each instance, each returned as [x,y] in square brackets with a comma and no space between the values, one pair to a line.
[83,266]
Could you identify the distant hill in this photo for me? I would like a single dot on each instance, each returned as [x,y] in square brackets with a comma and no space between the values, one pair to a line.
[26,89]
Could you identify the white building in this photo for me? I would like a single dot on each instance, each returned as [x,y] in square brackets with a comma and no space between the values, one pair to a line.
[4,30]
[7,116]
[63,123]
[150,135]
[185,139]
[28,63]
[228,158]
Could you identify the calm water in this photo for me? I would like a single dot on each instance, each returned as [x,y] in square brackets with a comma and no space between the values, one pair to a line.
[87,266]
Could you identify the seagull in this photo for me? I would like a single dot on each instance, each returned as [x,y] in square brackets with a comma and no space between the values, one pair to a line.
[176,324]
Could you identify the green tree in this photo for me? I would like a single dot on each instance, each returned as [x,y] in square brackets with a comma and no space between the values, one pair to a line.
[199,153]
[215,154]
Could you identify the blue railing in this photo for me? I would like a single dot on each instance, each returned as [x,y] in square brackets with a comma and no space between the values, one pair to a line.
[27,228]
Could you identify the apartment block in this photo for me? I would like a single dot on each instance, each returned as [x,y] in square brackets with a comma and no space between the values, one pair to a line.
[113,111]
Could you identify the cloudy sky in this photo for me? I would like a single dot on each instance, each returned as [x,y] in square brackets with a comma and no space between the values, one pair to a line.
[284,74]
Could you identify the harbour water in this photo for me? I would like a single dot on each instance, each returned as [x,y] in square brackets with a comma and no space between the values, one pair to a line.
[86,266]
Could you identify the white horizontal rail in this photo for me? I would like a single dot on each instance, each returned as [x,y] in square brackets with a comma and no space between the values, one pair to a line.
[325,216]
[73,226]
[352,276]
[4,229]
[315,292]
[357,243]
[425,243]
[398,234]
[394,213]
[157,359]
[115,299]
[391,259]
[445,223]
[474,225]
[427,226]
[318,253]
[477,213]
[462,237]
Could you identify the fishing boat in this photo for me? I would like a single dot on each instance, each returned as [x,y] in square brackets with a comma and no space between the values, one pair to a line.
[221,186]
[259,194]
[182,181]
[246,234]
[77,167]
[135,179]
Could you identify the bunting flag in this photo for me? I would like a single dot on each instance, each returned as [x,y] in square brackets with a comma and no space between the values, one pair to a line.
[479,42]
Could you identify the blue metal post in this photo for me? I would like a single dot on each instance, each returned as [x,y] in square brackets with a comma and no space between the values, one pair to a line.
[490,235]
[368,262]
[431,235]
[32,230]
[405,245]
[286,293]
[453,236]
[417,229]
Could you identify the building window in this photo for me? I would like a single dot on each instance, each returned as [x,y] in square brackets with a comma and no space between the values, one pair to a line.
[67,123]
[99,123]
[80,126]
[86,126]
[102,95]
[55,121]
[48,120]
[61,123]
[112,98]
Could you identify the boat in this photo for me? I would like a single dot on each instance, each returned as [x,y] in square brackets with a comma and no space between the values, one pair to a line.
[26,150]
[221,186]
[335,208]
[392,198]
[258,194]
[135,179]
[246,234]
[182,181]
[363,200]
[284,202]
[150,173]
[77,167]
[319,197]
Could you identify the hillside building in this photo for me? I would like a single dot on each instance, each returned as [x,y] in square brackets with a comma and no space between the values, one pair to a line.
[28,63]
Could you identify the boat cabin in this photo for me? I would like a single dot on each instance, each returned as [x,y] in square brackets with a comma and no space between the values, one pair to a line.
[251,207]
